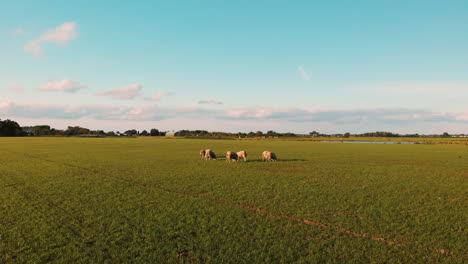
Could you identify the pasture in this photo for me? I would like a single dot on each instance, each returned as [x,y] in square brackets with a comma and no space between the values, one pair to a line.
[147,200]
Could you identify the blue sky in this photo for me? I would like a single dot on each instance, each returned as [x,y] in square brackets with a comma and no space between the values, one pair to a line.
[330,66]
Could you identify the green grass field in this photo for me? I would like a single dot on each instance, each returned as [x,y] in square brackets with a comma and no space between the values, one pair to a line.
[146,200]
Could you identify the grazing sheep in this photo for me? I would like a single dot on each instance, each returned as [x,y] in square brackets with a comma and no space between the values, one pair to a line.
[269,156]
[209,154]
[231,156]
[242,155]
[272,157]
[202,153]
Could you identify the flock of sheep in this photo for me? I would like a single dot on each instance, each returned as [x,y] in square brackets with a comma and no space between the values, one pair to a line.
[208,154]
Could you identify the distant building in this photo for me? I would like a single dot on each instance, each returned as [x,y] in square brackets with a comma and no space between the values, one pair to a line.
[170,134]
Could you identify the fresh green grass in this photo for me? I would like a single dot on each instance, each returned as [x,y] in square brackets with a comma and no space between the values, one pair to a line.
[147,200]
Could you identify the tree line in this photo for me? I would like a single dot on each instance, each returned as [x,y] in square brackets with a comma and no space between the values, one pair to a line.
[153,132]
[10,128]
[204,133]
[77,130]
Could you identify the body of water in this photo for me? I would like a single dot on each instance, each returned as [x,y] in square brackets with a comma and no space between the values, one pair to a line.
[375,142]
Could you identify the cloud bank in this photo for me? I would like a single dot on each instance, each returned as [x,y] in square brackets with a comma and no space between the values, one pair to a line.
[287,119]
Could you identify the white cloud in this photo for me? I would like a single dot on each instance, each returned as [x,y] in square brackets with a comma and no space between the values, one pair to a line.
[157,97]
[210,101]
[304,75]
[62,35]
[124,93]
[16,88]
[69,86]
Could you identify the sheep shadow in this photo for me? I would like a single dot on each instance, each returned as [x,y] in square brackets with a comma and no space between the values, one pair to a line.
[279,160]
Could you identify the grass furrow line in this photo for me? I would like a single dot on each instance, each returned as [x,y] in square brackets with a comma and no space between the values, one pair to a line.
[334,228]
[247,207]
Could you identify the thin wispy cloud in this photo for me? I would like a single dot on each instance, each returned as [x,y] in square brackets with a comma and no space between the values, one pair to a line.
[62,35]
[18,32]
[304,75]
[69,86]
[210,101]
[16,88]
[158,96]
[124,93]
[416,88]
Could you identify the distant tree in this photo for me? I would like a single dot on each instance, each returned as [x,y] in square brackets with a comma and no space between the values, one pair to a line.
[251,134]
[42,130]
[259,134]
[10,128]
[314,134]
[38,130]
[98,132]
[110,134]
[154,132]
[379,134]
[346,135]
[271,133]
[76,130]
[445,134]
[144,133]
[181,133]
[131,132]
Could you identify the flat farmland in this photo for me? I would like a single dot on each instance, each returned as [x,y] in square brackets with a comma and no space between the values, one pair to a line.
[150,200]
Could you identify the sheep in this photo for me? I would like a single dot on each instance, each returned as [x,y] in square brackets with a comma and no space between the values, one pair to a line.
[202,153]
[269,156]
[209,154]
[242,155]
[272,157]
[231,156]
